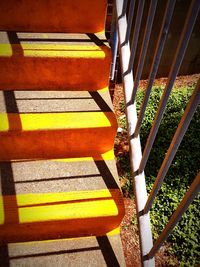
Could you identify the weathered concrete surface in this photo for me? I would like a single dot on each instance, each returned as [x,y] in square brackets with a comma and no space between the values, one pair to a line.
[53,16]
[90,251]
[55,124]
[53,61]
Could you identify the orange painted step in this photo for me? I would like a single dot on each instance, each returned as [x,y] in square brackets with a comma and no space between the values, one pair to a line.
[60,198]
[52,61]
[55,124]
[53,16]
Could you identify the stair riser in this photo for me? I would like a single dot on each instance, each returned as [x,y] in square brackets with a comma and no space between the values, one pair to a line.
[55,230]
[54,73]
[55,144]
[53,16]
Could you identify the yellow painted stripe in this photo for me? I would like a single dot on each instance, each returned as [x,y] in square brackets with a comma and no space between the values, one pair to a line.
[60,206]
[54,50]
[1,211]
[109,155]
[4,123]
[102,90]
[43,121]
[88,209]
[5,50]
[115,231]
[33,199]
[65,53]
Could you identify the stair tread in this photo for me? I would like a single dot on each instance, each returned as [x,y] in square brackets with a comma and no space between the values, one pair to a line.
[55,110]
[86,251]
[53,121]
[74,191]
[55,101]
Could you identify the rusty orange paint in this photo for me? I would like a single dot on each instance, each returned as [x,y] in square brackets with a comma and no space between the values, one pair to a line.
[78,16]
[23,137]
[54,67]
[96,212]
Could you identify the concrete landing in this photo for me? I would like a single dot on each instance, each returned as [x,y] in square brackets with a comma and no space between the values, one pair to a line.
[53,61]
[80,252]
[49,124]
[53,16]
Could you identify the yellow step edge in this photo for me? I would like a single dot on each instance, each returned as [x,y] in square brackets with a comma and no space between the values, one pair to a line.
[54,50]
[109,155]
[53,121]
[46,198]
[60,206]
[90,209]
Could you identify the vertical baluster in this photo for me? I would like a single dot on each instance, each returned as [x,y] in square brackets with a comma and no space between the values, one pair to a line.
[136,33]
[145,42]
[156,60]
[114,43]
[180,51]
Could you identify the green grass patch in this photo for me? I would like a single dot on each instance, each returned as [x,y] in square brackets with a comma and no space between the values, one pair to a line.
[186,164]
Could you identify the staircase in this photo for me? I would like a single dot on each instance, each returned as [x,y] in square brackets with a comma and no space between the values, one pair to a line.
[60,202]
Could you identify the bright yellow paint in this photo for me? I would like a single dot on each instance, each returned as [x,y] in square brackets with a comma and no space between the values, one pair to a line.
[53,121]
[1,211]
[102,90]
[109,155]
[115,231]
[5,50]
[45,207]
[4,123]
[33,199]
[54,50]
[88,209]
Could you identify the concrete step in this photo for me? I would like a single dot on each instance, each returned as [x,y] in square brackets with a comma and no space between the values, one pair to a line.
[60,198]
[51,124]
[53,61]
[80,252]
[53,16]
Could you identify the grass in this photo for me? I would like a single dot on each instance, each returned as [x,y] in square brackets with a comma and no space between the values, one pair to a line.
[185,166]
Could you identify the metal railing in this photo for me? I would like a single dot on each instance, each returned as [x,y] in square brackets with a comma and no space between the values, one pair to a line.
[121,31]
